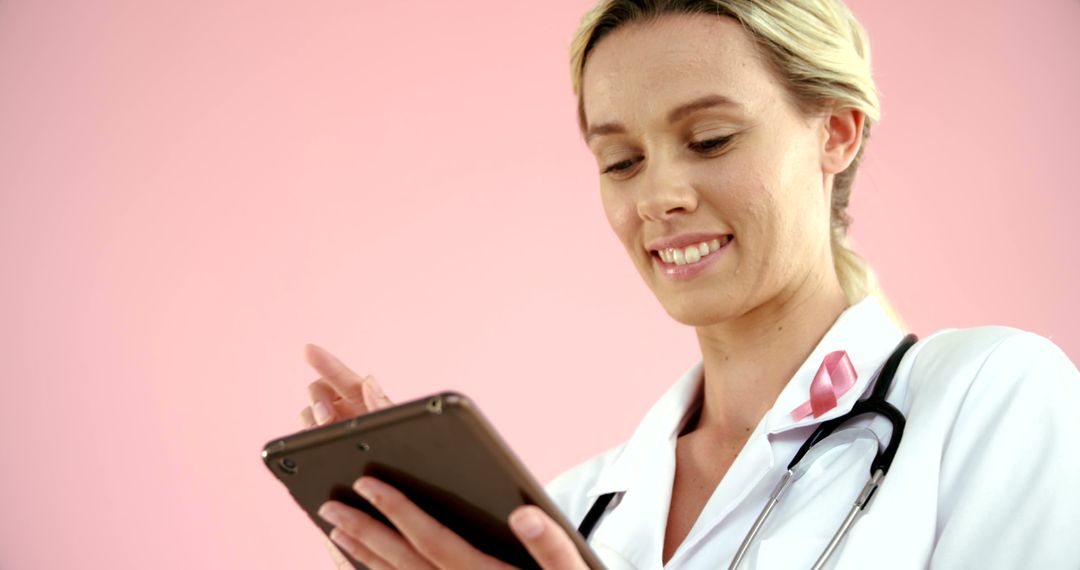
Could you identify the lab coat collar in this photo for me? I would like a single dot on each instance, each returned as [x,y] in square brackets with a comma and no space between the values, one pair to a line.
[868,336]
[864,330]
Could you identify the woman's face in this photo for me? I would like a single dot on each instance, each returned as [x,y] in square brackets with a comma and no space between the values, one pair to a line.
[697,143]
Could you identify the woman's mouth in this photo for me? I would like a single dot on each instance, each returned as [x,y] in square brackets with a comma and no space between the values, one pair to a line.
[687,262]
[691,254]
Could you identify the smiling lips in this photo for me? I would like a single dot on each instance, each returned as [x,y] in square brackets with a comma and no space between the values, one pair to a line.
[691,254]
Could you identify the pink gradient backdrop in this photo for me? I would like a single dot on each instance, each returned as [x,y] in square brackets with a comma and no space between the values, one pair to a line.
[190,191]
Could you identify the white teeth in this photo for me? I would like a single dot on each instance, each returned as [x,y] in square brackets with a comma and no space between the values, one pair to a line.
[691,254]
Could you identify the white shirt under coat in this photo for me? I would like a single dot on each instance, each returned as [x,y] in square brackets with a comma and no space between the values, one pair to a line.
[987,475]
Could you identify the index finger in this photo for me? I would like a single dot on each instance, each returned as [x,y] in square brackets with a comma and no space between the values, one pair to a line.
[343,380]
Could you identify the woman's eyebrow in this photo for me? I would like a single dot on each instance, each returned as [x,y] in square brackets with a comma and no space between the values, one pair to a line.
[674,115]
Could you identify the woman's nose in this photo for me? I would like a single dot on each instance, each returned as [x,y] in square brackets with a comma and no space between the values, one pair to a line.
[666,192]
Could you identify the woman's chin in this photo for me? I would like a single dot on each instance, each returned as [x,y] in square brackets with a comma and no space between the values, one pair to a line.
[690,312]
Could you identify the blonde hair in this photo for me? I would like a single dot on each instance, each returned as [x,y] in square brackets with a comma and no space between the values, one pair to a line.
[821,54]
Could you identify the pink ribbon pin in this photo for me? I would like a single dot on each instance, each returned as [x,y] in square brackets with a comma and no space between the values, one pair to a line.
[835,377]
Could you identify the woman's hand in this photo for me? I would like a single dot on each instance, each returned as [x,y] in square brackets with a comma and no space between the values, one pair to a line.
[426,544]
[338,394]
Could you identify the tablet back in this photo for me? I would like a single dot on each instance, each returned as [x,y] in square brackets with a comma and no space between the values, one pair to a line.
[439,451]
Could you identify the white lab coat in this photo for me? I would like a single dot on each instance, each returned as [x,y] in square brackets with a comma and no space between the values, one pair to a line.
[987,475]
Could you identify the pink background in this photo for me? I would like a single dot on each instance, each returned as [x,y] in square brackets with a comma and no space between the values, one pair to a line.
[193,190]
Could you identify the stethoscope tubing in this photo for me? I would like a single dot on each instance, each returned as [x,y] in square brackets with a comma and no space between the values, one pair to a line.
[875,404]
[883,459]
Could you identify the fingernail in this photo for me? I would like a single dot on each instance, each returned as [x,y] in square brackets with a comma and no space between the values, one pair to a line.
[330,513]
[527,524]
[340,538]
[376,388]
[371,395]
[368,489]
[321,413]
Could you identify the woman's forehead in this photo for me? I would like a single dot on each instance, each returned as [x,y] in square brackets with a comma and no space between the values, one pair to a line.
[647,68]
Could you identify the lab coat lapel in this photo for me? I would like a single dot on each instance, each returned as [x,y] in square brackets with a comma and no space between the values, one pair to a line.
[643,475]
[868,336]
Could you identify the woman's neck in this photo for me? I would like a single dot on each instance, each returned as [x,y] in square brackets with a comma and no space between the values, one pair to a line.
[749,360]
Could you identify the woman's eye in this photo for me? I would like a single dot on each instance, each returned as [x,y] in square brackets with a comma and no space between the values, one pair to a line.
[619,166]
[709,145]
[703,147]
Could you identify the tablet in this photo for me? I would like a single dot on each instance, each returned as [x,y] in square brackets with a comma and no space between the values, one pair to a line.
[440,452]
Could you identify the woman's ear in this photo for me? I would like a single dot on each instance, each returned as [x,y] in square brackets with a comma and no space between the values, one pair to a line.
[842,133]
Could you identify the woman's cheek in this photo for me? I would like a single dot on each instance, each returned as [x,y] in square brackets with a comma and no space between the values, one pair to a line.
[621,215]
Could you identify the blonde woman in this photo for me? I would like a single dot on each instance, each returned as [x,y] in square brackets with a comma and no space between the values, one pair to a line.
[727,135]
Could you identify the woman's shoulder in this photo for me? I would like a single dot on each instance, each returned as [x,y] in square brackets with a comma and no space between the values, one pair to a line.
[995,409]
[979,390]
[989,357]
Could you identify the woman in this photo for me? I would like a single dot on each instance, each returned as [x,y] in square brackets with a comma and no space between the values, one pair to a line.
[727,134]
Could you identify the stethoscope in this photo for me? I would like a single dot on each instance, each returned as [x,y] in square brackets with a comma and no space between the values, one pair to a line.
[875,404]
